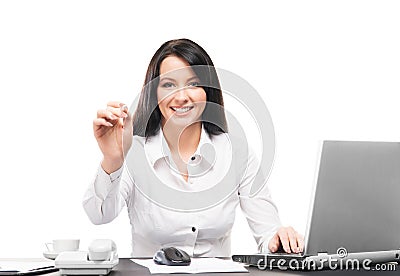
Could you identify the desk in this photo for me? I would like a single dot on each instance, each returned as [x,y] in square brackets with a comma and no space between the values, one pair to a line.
[128,268]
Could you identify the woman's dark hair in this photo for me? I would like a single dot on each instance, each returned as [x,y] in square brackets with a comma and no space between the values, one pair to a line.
[147,117]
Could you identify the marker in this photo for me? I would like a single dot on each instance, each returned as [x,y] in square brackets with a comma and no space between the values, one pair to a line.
[124,109]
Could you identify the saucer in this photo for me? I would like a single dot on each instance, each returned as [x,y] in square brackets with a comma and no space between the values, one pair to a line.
[50,255]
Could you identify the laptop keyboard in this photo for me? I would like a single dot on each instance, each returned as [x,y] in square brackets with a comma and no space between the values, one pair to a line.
[291,255]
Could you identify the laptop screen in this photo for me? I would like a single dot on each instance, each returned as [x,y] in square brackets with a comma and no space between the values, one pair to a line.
[356,199]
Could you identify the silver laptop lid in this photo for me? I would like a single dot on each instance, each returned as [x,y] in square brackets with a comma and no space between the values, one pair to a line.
[356,201]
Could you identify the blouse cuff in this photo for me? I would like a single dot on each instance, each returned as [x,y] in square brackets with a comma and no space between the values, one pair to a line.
[105,181]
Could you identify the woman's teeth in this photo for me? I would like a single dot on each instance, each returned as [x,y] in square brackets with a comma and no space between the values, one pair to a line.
[182,109]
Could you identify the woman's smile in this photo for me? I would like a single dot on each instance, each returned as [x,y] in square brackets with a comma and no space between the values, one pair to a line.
[182,110]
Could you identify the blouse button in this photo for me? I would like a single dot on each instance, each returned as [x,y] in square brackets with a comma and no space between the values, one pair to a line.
[193,158]
[193,229]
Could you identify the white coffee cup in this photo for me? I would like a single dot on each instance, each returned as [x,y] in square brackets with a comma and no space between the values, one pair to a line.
[61,245]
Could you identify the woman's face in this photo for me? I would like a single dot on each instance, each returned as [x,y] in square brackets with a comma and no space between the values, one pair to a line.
[180,100]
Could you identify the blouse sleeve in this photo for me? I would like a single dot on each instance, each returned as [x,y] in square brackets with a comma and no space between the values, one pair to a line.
[107,195]
[259,209]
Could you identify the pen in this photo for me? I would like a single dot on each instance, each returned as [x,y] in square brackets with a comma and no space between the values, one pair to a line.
[42,268]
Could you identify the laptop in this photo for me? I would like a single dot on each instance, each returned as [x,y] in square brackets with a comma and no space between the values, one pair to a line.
[354,217]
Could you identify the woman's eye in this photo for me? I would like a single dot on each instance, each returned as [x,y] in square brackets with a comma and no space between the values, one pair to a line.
[167,84]
[194,83]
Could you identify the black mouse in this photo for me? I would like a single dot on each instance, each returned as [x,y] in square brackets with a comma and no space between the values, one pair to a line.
[171,256]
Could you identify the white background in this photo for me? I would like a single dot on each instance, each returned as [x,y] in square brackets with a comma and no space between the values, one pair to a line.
[326,70]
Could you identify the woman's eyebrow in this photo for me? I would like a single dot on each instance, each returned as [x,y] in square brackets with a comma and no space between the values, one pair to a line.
[167,78]
[172,79]
[192,78]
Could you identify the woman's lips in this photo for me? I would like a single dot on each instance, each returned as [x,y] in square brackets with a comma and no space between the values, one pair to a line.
[182,110]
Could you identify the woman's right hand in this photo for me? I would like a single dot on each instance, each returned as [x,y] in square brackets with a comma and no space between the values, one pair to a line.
[113,130]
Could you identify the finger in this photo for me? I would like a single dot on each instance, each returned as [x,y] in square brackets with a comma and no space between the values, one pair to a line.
[300,242]
[117,111]
[102,122]
[128,121]
[274,243]
[106,114]
[293,241]
[124,108]
[115,104]
[283,236]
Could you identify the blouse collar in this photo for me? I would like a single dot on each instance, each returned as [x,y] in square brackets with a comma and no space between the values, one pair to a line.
[156,148]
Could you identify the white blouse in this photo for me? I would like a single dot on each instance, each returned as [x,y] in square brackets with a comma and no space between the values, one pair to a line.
[205,232]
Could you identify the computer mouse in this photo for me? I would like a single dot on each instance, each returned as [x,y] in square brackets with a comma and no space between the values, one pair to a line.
[171,256]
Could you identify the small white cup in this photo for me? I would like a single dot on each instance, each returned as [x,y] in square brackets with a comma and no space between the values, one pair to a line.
[61,245]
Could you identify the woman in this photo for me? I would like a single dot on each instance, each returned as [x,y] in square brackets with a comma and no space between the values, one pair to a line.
[173,109]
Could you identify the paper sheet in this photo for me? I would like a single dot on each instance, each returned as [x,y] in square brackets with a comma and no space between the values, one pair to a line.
[23,266]
[198,265]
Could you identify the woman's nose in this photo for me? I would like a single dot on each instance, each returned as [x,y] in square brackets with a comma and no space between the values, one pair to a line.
[181,94]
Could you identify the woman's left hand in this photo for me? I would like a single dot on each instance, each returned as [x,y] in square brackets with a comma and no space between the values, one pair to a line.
[291,241]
